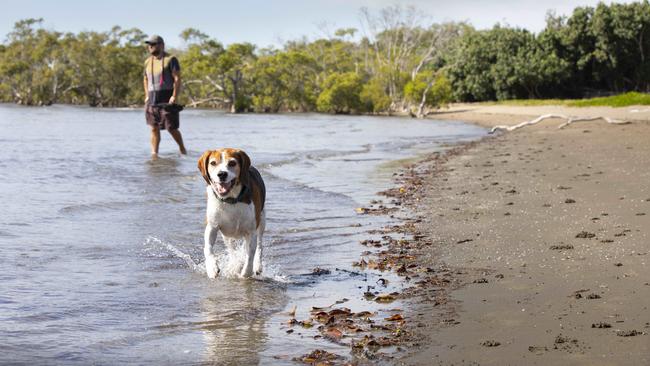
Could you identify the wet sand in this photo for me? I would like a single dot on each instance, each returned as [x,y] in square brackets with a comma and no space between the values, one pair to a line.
[538,240]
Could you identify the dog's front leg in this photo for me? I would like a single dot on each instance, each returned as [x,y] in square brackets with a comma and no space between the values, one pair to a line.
[257,262]
[250,244]
[210,260]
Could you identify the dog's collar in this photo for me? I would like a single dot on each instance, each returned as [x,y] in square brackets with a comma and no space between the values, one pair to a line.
[231,200]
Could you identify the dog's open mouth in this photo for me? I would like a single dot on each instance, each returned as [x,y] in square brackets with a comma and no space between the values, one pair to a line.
[222,188]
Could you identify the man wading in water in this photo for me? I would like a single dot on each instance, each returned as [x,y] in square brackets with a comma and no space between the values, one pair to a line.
[162,82]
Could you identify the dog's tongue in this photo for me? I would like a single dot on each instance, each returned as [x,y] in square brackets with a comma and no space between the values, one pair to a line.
[223,188]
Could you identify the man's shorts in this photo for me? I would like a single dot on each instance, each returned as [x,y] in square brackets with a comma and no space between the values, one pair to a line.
[164,120]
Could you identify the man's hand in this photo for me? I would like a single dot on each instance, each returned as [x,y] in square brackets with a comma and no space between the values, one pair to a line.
[146,99]
[172,100]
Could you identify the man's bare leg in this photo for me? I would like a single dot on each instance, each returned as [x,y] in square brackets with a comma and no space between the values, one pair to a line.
[176,134]
[155,141]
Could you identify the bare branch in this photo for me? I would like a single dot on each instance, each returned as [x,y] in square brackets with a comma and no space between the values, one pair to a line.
[561,116]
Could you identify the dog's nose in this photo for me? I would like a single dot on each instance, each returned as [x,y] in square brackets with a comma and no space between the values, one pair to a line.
[222,176]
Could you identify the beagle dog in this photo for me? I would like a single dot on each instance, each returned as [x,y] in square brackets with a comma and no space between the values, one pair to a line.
[236,195]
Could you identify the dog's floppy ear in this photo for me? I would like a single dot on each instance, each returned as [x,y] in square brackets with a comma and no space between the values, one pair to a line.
[244,165]
[203,165]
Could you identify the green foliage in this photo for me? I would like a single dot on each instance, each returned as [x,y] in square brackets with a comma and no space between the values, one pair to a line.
[374,96]
[399,64]
[285,81]
[621,100]
[433,89]
[341,94]
[40,67]
[528,102]
[504,63]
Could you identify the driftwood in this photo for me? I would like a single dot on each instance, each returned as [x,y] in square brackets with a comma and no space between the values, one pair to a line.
[197,102]
[569,121]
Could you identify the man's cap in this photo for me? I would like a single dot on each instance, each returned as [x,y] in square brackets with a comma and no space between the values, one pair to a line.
[154,39]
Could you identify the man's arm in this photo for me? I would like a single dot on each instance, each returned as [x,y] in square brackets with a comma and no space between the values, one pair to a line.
[176,74]
[146,89]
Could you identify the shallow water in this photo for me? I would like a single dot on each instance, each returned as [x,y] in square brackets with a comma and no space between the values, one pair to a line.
[102,248]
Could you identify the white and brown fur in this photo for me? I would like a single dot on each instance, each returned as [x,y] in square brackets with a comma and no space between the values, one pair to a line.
[227,172]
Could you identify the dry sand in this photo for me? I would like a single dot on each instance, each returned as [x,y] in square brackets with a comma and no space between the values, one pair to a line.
[547,235]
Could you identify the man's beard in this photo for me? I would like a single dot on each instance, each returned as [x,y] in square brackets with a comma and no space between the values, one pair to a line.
[155,53]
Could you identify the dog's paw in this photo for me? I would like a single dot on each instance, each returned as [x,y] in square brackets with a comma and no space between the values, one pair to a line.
[211,268]
[245,273]
[257,265]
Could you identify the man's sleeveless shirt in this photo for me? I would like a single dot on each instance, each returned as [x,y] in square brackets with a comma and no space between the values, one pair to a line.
[160,82]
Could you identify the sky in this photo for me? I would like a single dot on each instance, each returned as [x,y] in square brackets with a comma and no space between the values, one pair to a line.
[268,22]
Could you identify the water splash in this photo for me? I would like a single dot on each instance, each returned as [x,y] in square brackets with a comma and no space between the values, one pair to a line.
[230,262]
[153,242]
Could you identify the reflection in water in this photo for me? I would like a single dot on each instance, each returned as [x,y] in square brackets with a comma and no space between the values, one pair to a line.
[235,317]
[163,166]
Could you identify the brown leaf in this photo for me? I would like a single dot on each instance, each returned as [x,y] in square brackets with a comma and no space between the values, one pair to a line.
[363,314]
[318,355]
[395,318]
[321,316]
[385,298]
[333,333]
[340,312]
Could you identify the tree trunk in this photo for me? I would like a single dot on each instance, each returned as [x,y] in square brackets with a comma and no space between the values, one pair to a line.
[423,101]
[235,91]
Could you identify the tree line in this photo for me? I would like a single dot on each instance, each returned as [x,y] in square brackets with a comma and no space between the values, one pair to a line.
[398,64]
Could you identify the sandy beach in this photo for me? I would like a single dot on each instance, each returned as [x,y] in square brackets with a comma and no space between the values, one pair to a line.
[538,241]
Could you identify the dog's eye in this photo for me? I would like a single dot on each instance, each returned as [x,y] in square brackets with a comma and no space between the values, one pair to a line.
[213,163]
[232,163]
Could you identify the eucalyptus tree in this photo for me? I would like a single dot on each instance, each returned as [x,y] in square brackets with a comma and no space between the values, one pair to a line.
[341,94]
[622,45]
[394,34]
[203,81]
[104,72]
[408,52]
[427,62]
[214,74]
[32,64]
[235,66]
[285,81]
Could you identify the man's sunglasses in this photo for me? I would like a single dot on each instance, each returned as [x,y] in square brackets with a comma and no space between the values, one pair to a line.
[152,44]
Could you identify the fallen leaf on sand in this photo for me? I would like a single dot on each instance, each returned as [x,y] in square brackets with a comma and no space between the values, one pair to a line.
[395,318]
[334,334]
[341,311]
[363,314]
[628,333]
[490,343]
[385,298]
[306,323]
[318,355]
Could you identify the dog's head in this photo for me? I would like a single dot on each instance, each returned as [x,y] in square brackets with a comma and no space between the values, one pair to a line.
[224,169]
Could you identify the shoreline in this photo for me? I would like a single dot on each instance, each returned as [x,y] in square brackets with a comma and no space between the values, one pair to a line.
[537,239]
[482,114]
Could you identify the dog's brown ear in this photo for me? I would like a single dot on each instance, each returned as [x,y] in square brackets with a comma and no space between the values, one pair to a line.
[244,165]
[203,165]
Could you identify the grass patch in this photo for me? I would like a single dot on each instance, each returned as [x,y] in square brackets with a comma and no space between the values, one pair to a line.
[529,102]
[621,100]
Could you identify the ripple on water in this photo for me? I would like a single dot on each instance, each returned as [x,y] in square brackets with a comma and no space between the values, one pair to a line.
[126,233]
